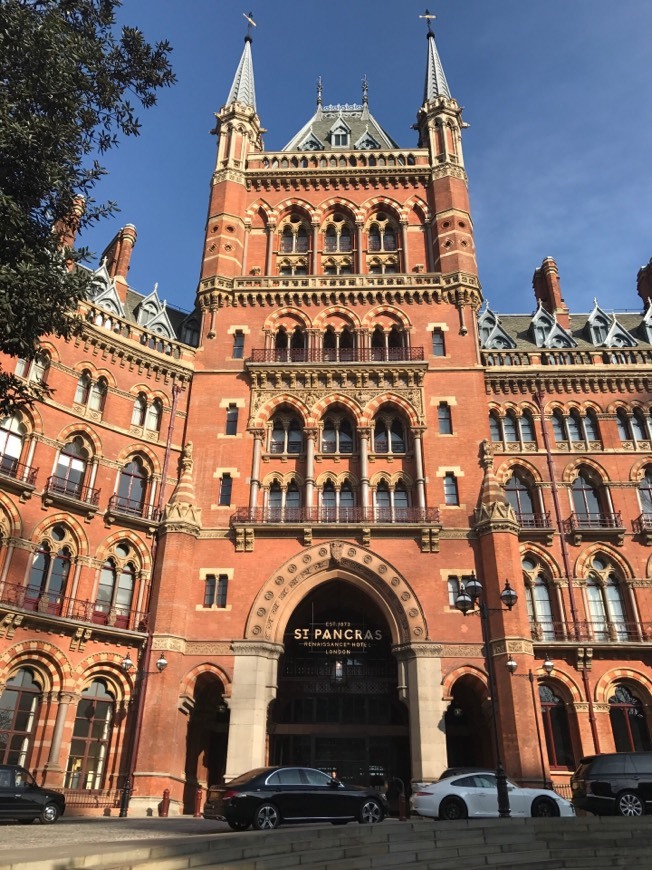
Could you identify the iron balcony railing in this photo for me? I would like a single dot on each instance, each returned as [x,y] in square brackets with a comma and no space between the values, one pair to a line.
[643,523]
[61,486]
[327,355]
[130,507]
[54,604]
[17,470]
[342,515]
[582,522]
[600,631]
[535,521]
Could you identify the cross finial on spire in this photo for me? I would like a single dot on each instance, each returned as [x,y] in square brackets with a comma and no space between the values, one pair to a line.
[365,91]
[319,92]
[429,17]
[250,23]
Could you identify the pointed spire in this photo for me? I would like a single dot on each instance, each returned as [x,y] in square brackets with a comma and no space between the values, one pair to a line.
[491,492]
[435,84]
[243,89]
[185,489]
[319,93]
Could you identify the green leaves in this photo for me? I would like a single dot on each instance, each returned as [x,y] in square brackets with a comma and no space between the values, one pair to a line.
[68,84]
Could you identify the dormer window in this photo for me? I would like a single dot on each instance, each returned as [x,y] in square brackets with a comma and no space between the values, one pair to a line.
[340,135]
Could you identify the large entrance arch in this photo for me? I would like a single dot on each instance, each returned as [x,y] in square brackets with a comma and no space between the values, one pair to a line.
[407,663]
[337,706]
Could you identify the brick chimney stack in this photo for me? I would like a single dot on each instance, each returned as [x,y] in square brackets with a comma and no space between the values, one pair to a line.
[118,257]
[547,290]
[66,229]
[644,284]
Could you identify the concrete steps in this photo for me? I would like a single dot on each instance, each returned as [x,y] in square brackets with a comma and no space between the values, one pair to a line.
[586,843]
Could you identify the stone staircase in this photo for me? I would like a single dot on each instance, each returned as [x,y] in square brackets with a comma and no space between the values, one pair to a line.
[583,843]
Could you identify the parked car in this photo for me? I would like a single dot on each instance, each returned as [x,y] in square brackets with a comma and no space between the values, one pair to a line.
[615,783]
[22,799]
[474,795]
[268,796]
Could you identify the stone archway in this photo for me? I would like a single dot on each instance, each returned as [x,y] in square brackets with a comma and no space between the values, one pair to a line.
[357,565]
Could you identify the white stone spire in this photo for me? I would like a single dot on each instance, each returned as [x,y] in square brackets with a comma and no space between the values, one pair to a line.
[435,84]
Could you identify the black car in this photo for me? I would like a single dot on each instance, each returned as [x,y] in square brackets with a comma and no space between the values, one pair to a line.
[616,783]
[267,796]
[22,799]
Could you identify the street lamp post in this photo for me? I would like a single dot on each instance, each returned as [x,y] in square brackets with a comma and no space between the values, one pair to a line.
[469,600]
[548,666]
[140,677]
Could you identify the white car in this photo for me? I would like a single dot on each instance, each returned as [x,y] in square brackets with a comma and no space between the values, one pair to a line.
[474,795]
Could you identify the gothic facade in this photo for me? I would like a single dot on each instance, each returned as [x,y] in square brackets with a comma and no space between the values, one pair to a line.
[342,405]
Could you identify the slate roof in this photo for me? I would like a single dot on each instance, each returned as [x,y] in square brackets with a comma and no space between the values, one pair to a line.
[357,118]
[517,326]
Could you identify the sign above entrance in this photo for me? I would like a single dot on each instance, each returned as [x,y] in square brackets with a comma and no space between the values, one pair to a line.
[337,638]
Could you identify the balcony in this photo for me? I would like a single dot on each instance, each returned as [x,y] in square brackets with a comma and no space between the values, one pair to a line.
[593,631]
[75,495]
[595,526]
[343,355]
[132,512]
[324,521]
[535,527]
[49,604]
[642,526]
[17,477]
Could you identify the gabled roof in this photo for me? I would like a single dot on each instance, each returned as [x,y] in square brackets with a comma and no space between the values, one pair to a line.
[363,127]
[546,332]
[103,292]
[603,329]
[492,335]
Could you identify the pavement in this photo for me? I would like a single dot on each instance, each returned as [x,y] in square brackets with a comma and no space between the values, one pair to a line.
[38,841]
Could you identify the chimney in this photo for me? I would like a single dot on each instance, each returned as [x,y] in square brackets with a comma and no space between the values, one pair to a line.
[644,284]
[118,252]
[547,290]
[66,228]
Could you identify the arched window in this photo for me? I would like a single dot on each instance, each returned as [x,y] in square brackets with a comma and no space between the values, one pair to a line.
[638,425]
[116,587]
[622,421]
[401,503]
[12,436]
[494,427]
[606,606]
[539,605]
[286,434]
[132,487]
[275,502]
[48,576]
[586,499]
[389,435]
[19,708]
[39,368]
[154,416]
[382,503]
[328,502]
[140,410]
[70,473]
[91,737]
[591,426]
[292,502]
[520,497]
[555,727]
[574,422]
[83,388]
[337,434]
[347,502]
[527,427]
[510,427]
[559,427]
[628,722]
[645,492]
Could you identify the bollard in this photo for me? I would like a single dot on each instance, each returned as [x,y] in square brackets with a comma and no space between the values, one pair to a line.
[402,808]
[165,803]
[198,797]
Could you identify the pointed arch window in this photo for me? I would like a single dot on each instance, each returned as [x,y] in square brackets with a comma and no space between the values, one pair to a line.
[139,412]
[292,501]
[628,722]
[606,606]
[20,704]
[586,497]
[154,416]
[389,435]
[556,729]
[70,472]
[337,434]
[645,492]
[383,503]
[91,738]
[49,573]
[12,437]
[116,587]
[328,502]
[132,487]
[539,604]
[520,496]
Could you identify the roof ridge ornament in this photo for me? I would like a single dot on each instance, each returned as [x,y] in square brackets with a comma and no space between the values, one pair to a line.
[365,91]
[319,92]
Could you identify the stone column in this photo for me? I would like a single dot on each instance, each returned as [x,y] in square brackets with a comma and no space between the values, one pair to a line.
[418,458]
[364,435]
[420,686]
[54,772]
[254,686]
[311,438]
[254,487]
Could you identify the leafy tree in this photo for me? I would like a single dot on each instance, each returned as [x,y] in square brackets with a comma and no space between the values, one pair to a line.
[66,80]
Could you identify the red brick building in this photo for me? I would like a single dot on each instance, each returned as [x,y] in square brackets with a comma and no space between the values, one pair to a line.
[271,505]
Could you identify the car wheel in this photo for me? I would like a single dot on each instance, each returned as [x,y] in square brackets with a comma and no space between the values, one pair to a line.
[266,818]
[628,803]
[543,807]
[238,826]
[452,808]
[371,812]
[49,814]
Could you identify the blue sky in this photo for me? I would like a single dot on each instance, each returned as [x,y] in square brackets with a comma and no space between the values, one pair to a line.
[558,95]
